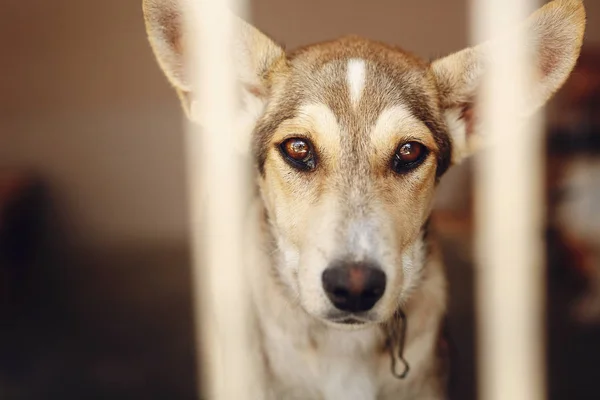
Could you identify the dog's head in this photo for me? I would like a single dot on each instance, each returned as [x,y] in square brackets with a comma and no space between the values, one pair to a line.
[350,139]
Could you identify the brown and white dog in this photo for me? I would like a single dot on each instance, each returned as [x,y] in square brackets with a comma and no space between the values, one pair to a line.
[350,139]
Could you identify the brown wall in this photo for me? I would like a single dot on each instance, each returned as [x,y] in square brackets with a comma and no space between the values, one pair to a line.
[83,102]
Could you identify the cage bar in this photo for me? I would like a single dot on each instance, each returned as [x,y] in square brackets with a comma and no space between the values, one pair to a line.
[509,276]
[217,194]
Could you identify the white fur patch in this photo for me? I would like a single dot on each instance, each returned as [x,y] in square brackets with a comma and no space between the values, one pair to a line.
[346,371]
[413,261]
[356,78]
[363,240]
[394,115]
[320,121]
[290,257]
[393,120]
[458,133]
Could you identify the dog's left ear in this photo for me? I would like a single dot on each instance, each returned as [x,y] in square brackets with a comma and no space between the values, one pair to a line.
[255,56]
[556,31]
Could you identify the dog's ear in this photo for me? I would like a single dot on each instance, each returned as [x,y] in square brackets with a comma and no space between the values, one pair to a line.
[556,33]
[255,55]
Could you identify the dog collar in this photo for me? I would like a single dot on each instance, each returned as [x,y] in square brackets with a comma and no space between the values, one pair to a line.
[396,336]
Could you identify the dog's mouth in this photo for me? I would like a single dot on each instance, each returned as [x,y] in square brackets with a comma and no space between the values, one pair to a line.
[350,320]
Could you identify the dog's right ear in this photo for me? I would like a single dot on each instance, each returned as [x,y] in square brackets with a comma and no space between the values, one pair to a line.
[255,55]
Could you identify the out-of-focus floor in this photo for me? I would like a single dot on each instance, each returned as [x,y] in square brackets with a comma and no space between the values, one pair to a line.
[118,325]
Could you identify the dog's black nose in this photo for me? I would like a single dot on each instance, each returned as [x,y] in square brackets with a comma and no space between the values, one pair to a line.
[354,287]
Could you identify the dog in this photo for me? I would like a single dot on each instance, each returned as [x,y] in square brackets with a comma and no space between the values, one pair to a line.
[350,138]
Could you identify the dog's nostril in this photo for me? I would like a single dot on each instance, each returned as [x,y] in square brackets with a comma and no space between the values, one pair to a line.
[354,287]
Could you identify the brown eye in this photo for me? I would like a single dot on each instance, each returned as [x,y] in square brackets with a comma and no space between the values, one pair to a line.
[298,153]
[408,156]
[410,152]
[297,149]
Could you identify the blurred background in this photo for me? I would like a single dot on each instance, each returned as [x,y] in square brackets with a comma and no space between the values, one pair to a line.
[95,289]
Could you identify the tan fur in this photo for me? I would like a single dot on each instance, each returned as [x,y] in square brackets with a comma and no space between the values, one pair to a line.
[352,206]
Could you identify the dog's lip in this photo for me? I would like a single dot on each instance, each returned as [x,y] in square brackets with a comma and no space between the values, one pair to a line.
[349,320]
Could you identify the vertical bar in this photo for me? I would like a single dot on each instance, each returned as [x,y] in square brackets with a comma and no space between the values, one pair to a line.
[510,279]
[217,193]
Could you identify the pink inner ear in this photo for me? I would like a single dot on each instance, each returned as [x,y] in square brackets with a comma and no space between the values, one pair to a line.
[548,59]
[256,90]
[169,24]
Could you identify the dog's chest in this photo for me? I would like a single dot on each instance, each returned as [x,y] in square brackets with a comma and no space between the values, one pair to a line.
[328,365]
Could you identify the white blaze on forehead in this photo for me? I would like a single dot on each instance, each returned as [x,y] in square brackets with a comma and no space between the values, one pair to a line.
[355,77]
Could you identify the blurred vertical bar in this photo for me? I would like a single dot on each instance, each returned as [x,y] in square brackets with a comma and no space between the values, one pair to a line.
[510,278]
[217,190]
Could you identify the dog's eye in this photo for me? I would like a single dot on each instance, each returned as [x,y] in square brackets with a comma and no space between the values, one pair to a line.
[408,156]
[298,153]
